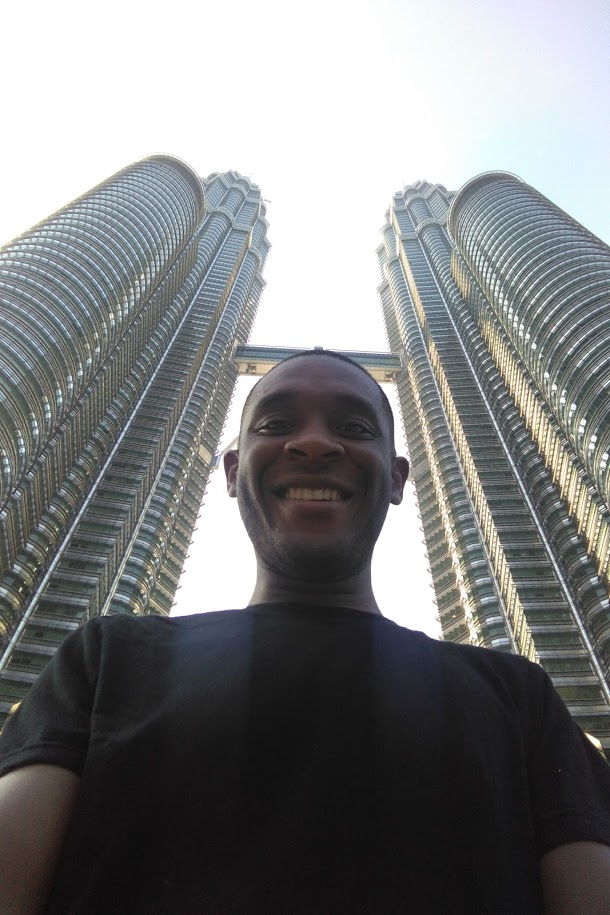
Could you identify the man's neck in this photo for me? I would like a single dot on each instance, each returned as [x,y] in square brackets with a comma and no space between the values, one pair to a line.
[355,592]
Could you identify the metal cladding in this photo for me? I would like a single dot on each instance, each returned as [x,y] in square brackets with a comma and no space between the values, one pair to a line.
[72,288]
[513,511]
[118,320]
[547,280]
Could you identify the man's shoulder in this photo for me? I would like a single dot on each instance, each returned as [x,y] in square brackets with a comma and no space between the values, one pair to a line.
[505,673]
[153,627]
[479,657]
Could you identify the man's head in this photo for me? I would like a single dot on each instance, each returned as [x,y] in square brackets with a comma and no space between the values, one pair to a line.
[331,354]
[316,469]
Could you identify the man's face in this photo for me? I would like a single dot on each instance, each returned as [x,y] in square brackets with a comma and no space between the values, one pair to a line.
[315,475]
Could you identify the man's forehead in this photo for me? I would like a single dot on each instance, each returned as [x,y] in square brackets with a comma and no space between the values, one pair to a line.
[332,378]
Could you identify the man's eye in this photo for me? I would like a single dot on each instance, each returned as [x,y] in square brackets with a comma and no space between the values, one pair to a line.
[356,429]
[273,426]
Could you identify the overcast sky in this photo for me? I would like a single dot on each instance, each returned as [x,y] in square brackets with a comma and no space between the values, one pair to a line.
[330,107]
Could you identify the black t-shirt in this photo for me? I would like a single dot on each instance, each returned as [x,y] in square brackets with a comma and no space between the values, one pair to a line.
[282,759]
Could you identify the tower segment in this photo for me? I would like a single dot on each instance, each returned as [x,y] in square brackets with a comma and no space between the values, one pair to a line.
[512,548]
[119,318]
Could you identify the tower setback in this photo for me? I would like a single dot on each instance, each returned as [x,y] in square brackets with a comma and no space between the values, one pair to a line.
[118,321]
[499,303]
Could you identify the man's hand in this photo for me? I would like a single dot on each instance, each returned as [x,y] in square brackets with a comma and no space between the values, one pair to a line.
[36,803]
[576,879]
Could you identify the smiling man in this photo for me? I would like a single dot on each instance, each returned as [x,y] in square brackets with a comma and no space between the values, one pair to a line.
[314,476]
[304,754]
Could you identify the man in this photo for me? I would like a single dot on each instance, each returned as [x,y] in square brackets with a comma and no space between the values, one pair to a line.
[303,755]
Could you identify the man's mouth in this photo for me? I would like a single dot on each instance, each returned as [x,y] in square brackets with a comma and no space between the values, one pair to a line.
[305,494]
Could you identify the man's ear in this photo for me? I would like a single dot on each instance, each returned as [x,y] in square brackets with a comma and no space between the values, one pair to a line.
[400,474]
[231,463]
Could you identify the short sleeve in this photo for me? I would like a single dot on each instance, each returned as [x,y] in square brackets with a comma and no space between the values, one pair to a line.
[569,777]
[52,724]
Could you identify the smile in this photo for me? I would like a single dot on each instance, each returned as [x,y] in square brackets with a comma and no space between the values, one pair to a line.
[303,494]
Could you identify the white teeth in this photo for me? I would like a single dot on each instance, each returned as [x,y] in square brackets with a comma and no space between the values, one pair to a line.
[302,494]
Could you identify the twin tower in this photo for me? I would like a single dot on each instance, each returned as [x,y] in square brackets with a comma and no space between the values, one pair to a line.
[124,321]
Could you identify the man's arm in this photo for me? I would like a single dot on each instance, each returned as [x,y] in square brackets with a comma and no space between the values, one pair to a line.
[36,803]
[576,879]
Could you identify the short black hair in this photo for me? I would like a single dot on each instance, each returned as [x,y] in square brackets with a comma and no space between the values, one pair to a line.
[333,354]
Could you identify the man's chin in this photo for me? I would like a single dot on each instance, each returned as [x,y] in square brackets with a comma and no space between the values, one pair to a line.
[317,562]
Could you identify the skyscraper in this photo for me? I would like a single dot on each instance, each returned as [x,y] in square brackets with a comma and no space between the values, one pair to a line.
[499,303]
[118,321]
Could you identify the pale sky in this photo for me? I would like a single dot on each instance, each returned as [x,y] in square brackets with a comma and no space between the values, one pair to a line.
[330,107]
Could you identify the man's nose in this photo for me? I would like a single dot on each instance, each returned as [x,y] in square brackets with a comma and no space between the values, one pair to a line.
[314,442]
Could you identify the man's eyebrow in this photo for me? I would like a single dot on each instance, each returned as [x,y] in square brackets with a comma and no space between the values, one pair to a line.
[283,398]
[274,400]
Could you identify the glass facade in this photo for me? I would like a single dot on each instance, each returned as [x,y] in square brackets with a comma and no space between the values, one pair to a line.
[116,372]
[511,498]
